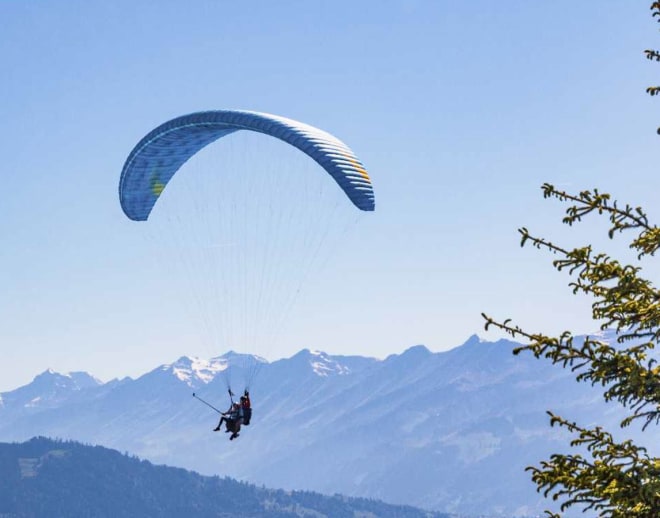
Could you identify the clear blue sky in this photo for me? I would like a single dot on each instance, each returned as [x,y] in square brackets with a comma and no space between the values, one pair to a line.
[460,110]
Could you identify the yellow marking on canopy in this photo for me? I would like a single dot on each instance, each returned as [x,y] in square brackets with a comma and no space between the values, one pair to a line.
[157,186]
[359,168]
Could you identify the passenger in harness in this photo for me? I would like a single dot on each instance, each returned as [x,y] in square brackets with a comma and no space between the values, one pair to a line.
[238,414]
[232,419]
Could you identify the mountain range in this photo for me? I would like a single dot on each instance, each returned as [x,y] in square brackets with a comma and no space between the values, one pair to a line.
[450,431]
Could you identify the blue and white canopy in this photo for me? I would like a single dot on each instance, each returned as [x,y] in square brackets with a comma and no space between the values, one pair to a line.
[160,154]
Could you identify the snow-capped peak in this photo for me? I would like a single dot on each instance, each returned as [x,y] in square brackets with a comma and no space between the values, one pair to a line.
[324,365]
[189,369]
[72,380]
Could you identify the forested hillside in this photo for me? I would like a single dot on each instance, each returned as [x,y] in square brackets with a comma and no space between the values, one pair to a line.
[47,478]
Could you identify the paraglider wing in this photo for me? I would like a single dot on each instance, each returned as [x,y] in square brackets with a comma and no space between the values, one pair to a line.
[158,156]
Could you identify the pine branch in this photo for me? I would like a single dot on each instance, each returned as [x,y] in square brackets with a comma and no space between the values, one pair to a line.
[621,219]
[618,480]
[653,55]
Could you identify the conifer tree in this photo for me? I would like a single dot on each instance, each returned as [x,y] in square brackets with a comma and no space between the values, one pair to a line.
[614,479]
